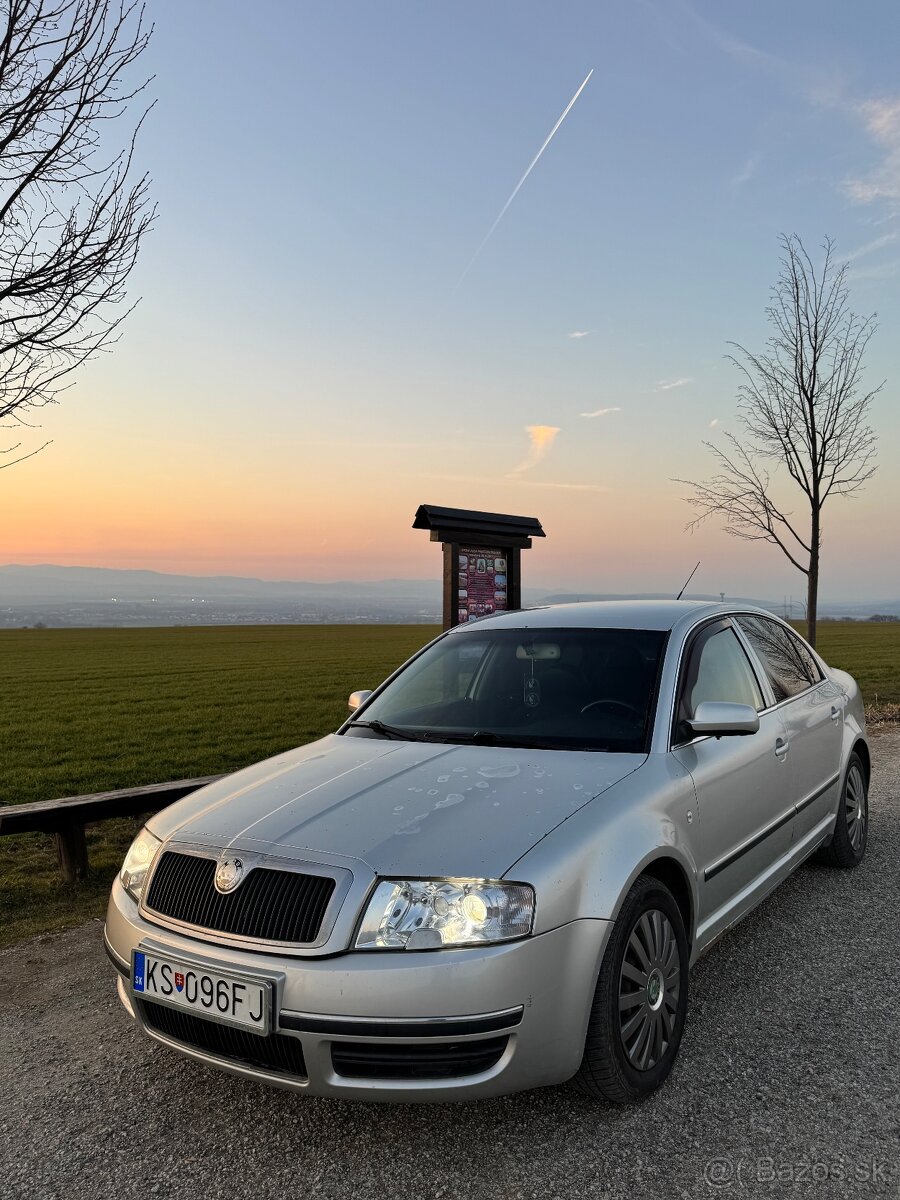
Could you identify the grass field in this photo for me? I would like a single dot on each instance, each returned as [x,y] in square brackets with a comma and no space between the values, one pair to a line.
[871,653]
[83,710]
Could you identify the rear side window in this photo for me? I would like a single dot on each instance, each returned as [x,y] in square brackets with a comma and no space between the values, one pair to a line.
[788,663]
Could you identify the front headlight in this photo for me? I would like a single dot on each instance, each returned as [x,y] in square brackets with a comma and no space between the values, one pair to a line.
[137,863]
[424,914]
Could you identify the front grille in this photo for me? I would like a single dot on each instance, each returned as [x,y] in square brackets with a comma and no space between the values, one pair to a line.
[272,905]
[273,1053]
[444,1060]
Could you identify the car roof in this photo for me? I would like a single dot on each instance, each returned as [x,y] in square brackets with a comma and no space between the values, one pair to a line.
[611,614]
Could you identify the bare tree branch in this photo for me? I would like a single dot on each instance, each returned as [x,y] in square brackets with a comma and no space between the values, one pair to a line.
[72,217]
[801,406]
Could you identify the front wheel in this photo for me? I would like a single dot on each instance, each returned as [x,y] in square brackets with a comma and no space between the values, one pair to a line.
[640,1003]
[851,829]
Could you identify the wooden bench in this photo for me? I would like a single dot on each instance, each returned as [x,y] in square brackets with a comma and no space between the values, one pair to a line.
[66,818]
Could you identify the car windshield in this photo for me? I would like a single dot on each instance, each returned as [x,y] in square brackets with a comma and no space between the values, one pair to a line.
[560,689]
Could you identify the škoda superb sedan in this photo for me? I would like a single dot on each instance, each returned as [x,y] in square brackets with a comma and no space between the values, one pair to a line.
[498,872]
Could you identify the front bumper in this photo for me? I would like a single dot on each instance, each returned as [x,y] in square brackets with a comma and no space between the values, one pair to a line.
[362,1012]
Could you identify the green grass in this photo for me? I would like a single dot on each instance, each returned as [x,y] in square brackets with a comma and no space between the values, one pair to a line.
[83,710]
[870,652]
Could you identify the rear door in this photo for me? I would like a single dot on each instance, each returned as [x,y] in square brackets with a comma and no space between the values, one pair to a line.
[812,708]
[743,783]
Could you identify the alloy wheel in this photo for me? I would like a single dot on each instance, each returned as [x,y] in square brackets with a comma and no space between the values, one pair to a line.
[649,987]
[856,808]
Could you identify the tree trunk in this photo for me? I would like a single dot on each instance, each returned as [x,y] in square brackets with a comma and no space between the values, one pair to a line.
[812,589]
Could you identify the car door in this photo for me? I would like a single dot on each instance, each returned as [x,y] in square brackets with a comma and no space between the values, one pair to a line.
[744,799]
[812,708]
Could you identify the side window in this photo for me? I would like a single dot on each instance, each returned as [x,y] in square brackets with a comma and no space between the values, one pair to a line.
[718,669]
[789,665]
[813,670]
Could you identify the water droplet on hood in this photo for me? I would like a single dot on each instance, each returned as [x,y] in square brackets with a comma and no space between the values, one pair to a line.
[450,799]
[502,771]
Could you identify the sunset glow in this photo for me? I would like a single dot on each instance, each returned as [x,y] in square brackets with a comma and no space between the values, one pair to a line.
[304,371]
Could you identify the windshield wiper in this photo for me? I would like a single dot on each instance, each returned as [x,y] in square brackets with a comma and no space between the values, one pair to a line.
[480,737]
[486,737]
[483,737]
[389,731]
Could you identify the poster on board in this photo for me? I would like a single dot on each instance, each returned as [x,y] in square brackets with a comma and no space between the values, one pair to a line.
[482,583]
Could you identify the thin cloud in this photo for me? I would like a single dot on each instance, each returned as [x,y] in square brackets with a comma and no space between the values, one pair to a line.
[666,385]
[502,213]
[361,443]
[748,170]
[885,271]
[823,87]
[580,333]
[517,481]
[566,487]
[819,84]
[881,119]
[869,248]
[600,412]
[542,438]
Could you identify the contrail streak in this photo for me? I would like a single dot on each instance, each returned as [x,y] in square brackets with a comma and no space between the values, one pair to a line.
[516,189]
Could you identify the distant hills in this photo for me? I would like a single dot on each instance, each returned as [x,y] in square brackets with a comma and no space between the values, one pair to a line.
[857,609]
[61,595]
[51,584]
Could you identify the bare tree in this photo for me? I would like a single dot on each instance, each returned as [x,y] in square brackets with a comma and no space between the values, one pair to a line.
[801,408]
[71,216]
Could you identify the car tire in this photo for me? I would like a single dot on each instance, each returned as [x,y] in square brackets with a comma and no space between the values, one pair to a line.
[847,847]
[640,1002]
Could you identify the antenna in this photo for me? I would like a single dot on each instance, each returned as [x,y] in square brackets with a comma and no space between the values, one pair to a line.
[687,581]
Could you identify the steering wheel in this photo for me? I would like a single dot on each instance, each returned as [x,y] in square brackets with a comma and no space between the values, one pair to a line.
[608,702]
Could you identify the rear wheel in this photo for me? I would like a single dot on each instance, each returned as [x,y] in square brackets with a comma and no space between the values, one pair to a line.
[640,1003]
[851,829]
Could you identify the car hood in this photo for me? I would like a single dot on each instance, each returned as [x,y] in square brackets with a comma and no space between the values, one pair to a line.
[404,808]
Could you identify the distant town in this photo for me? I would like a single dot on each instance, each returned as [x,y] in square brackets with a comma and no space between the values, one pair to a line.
[65,597]
[212,612]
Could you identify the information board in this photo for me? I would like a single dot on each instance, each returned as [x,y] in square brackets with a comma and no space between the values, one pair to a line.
[482,583]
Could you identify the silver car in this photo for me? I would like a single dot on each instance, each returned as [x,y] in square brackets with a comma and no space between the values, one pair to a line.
[498,872]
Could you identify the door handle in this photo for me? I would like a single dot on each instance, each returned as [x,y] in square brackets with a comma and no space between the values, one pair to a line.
[835,713]
[781,747]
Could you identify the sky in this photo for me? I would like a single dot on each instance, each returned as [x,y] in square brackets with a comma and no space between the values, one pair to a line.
[325,339]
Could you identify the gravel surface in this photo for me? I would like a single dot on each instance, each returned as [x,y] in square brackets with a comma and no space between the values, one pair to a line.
[787,1082]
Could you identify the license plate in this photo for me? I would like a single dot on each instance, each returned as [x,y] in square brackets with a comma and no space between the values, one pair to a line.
[216,995]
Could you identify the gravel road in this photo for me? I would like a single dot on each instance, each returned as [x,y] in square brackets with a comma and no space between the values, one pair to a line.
[787,1082]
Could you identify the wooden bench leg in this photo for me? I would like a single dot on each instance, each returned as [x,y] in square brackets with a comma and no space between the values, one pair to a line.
[71,852]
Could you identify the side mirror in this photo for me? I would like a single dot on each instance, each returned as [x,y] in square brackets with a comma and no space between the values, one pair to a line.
[716,718]
[357,699]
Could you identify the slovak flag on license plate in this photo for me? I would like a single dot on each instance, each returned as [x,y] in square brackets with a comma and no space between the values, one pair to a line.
[179,981]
